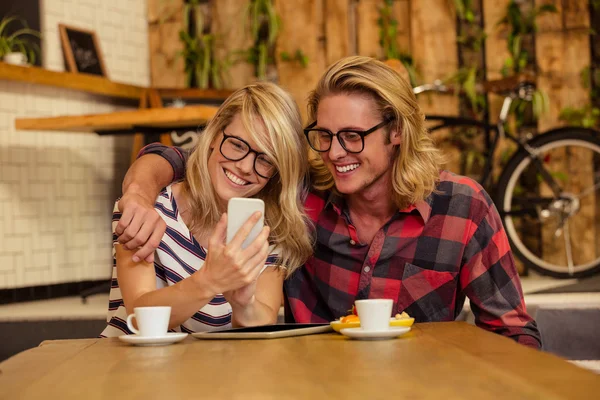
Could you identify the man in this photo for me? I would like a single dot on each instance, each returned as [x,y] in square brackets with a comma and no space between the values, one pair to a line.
[388,223]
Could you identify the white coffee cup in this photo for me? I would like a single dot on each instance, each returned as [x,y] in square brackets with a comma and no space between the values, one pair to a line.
[151,321]
[374,314]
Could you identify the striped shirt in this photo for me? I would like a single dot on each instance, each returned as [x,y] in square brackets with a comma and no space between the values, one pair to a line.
[178,256]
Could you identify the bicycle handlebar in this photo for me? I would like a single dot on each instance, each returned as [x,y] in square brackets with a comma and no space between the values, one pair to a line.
[523,90]
[436,86]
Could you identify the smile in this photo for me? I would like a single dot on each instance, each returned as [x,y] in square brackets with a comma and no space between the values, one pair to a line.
[346,168]
[235,179]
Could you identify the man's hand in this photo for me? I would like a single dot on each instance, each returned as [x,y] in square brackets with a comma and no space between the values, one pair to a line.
[140,226]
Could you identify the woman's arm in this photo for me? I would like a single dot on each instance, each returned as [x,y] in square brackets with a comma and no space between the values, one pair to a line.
[226,269]
[259,302]
[137,282]
[140,226]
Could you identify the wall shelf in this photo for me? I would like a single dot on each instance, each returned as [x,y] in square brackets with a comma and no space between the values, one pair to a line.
[124,122]
[81,82]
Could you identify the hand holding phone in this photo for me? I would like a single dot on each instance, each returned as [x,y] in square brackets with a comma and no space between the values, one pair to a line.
[232,266]
[239,209]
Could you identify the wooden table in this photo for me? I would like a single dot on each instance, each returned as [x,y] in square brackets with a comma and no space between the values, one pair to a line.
[435,361]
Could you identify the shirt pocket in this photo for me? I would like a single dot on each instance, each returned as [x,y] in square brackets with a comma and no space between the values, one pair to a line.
[427,295]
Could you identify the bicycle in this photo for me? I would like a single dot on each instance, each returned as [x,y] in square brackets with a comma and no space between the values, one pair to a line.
[537,192]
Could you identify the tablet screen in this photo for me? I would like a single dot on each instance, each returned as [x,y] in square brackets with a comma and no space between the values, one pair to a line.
[267,328]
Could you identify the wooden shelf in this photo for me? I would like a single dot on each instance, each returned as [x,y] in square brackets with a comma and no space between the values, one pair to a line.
[200,94]
[124,121]
[82,82]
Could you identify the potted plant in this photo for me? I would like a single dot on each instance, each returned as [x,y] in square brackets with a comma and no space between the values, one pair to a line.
[15,48]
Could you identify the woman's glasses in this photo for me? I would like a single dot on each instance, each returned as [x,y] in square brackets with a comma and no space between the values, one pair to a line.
[234,148]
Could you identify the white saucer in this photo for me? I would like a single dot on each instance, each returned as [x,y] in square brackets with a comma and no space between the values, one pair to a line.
[169,338]
[360,333]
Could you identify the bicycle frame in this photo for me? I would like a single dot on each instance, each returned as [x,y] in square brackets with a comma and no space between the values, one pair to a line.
[490,142]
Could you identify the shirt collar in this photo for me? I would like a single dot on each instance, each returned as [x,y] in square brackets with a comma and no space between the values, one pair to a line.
[423,207]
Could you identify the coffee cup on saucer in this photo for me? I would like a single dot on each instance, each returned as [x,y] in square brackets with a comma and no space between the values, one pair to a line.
[374,314]
[152,326]
[151,321]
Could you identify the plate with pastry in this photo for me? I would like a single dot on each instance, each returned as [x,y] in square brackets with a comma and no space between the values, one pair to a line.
[353,321]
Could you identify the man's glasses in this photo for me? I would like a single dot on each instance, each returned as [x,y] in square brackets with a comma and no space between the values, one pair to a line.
[351,140]
[234,148]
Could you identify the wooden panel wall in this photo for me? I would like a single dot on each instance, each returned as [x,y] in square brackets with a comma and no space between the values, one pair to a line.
[562,53]
[165,20]
[339,38]
[326,30]
[229,27]
[434,49]
[302,29]
[367,30]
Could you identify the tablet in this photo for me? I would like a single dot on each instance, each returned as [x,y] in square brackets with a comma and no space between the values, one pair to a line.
[265,331]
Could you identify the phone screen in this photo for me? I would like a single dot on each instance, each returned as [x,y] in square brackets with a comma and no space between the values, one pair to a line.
[238,211]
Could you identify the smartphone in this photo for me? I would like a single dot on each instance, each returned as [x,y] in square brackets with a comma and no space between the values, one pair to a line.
[239,209]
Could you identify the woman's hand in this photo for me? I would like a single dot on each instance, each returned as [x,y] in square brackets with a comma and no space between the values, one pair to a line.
[229,267]
[242,297]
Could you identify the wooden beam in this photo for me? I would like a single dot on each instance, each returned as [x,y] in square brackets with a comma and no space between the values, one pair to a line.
[167,118]
[165,21]
[367,30]
[434,49]
[67,80]
[230,26]
[301,30]
[199,94]
[337,30]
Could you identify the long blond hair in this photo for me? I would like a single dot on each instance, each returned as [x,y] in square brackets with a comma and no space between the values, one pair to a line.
[417,161]
[283,143]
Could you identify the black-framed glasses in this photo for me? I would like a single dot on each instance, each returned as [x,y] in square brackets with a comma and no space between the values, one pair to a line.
[353,141]
[235,148]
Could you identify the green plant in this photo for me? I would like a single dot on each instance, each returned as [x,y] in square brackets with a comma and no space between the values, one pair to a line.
[201,66]
[388,31]
[299,57]
[586,116]
[18,40]
[472,35]
[265,26]
[520,25]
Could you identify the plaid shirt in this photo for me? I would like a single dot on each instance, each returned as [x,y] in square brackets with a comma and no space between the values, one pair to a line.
[427,258]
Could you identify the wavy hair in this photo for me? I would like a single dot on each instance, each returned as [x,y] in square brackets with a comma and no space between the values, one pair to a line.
[281,140]
[417,163]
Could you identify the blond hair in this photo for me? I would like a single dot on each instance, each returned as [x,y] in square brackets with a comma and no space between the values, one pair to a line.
[281,140]
[417,161]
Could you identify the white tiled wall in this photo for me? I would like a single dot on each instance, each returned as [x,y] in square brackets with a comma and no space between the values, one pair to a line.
[57,189]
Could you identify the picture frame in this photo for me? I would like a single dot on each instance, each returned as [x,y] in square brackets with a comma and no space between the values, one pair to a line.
[81,49]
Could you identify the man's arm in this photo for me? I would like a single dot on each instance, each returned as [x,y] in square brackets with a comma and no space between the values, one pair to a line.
[490,279]
[140,226]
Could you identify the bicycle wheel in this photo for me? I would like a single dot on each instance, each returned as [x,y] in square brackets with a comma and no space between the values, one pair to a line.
[554,230]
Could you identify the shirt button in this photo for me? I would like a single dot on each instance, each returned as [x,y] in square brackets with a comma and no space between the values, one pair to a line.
[352,242]
[367,269]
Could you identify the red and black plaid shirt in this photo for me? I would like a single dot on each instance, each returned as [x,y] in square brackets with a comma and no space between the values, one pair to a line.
[427,258]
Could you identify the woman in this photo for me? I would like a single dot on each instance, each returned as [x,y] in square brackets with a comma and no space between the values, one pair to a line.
[252,148]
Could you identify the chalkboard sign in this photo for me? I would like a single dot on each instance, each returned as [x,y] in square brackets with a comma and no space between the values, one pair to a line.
[82,51]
